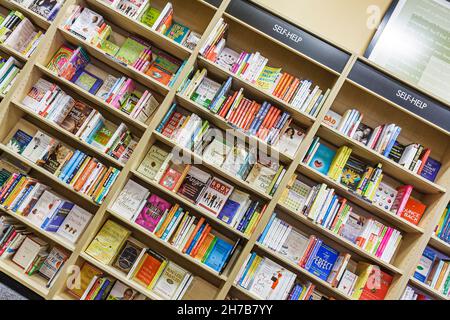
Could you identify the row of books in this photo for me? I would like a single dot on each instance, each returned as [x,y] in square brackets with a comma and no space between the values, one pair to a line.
[411,293]
[253,67]
[264,121]
[434,271]
[133,51]
[321,260]
[175,225]
[324,207]
[33,255]
[188,130]
[18,33]
[364,180]
[85,174]
[46,9]
[9,69]
[114,246]
[161,21]
[25,196]
[442,230]
[384,140]
[219,198]
[51,102]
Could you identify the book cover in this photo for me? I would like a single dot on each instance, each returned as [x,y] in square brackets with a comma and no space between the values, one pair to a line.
[193,185]
[177,32]
[130,51]
[168,284]
[332,119]
[413,211]
[19,141]
[323,261]
[152,162]
[353,173]
[130,199]
[59,59]
[74,224]
[122,292]
[322,158]
[215,195]
[152,212]
[377,285]
[87,81]
[431,169]
[218,255]
[363,134]
[426,262]
[128,255]
[290,140]
[148,268]
[150,16]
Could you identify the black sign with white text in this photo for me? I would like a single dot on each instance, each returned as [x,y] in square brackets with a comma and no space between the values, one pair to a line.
[215,3]
[289,34]
[401,94]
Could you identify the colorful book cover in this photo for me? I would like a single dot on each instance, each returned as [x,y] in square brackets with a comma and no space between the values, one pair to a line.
[322,159]
[216,194]
[323,261]
[431,169]
[152,212]
[130,51]
[425,264]
[19,141]
[353,173]
[87,81]
[150,16]
[219,254]
[177,32]
[59,59]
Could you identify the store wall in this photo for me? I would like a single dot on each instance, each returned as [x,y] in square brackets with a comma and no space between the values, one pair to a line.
[345,22]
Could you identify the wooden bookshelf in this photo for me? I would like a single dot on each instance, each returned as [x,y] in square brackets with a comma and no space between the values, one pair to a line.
[427,289]
[329,71]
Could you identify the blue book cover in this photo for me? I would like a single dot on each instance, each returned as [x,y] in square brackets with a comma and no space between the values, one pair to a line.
[101,292]
[171,223]
[425,264]
[323,261]
[53,223]
[321,160]
[23,197]
[19,141]
[266,229]
[76,166]
[394,137]
[431,169]
[166,118]
[218,254]
[247,268]
[196,237]
[261,119]
[228,211]
[87,81]
[221,96]
[69,164]
[335,198]
[313,254]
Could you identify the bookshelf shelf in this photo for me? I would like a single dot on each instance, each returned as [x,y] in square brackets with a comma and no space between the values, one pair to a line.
[35,282]
[115,64]
[353,248]
[224,125]
[440,244]
[428,290]
[384,214]
[49,235]
[172,252]
[62,187]
[54,127]
[216,222]
[13,52]
[120,276]
[325,286]
[93,99]
[216,70]
[389,166]
[242,294]
[198,159]
[33,16]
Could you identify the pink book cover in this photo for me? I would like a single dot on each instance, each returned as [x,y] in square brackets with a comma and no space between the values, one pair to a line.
[126,89]
[384,242]
[139,105]
[404,192]
[152,212]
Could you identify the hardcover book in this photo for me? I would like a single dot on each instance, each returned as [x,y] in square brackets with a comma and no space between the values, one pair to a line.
[193,185]
[322,159]
[130,199]
[323,261]
[215,195]
[152,162]
[152,212]
[74,224]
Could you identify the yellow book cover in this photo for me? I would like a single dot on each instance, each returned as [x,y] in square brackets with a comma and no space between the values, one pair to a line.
[108,242]
[342,163]
[333,164]
[80,171]
[158,274]
[252,223]
[252,269]
[363,271]
[14,192]
[285,193]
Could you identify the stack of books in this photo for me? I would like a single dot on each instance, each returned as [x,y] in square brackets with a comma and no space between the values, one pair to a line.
[175,225]
[434,271]
[9,69]
[133,51]
[210,193]
[264,121]
[188,130]
[324,262]
[18,33]
[413,294]
[384,140]
[114,246]
[52,103]
[33,255]
[324,207]
[443,228]
[85,174]
[47,9]
[27,197]
[253,68]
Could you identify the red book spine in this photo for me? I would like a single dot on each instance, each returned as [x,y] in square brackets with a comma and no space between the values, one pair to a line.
[243,112]
[250,115]
[223,111]
[280,84]
[200,240]
[424,159]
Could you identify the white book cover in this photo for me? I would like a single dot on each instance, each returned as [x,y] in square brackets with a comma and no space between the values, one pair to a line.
[74,224]
[38,146]
[45,206]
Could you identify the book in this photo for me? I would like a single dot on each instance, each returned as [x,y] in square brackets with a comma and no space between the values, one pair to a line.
[413,211]
[169,284]
[290,140]
[152,212]
[363,134]
[74,224]
[106,244]
[47,203]
[87,81]
[19,141]
[177,32]
[121,291]
[149,267]
[215,195]
[385,196]
[53,263]
[431,169]
[128,255]
[323,261]
[322,158]
[80,283]
[130,51]
[193,185]
[152,162]
[129,200]
[218,254]
[332,119]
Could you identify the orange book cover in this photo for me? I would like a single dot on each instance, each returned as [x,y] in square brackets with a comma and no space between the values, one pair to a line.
[237,110]
[285,86]
[225,106]
[377,285]
[98,184]
[243,112]
[191,237]
[266,119]
[166,222]
[309,248]
[234,105]
[98,188]
[413,211]
[85,174]
[288,88]
[280,84]
[250,115]
[148,269]
[95,183]
[159,74]
[276,116]
[200,240]
[292,90]
[205,245]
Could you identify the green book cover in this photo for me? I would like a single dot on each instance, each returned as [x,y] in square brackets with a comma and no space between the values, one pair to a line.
[130,51]
[110,48]
[150,16]
[177,32]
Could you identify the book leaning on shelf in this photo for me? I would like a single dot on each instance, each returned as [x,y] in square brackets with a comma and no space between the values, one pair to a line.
[18,33]
[149,269]
[52,103]
[47,9]
[132,51]
[442,230]
[9,70]
[187,130]
[83,173]
[33,255]
[324,262]
[384,139]
[173,224]
[334,213]
[254,68]
[363,180]
[213,195]
[264,121]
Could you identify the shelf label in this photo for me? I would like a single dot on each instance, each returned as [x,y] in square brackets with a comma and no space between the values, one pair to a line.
[215,3]
[401,94]
[289,34]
